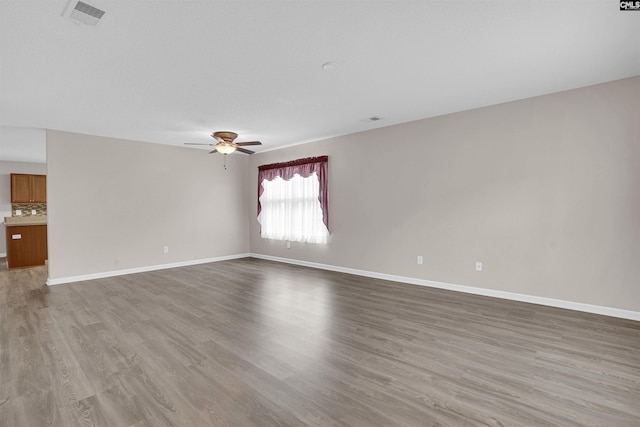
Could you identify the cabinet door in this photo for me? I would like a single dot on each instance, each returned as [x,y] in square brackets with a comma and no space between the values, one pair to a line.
[26,246]
[20,188]
[39,188]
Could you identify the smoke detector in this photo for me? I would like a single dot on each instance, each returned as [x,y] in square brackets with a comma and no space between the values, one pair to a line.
[79,11]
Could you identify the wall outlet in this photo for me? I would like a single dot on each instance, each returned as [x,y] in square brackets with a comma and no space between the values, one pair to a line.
[33,212]
[288,245]
[420,260]
[478,266]
[165,249]
[18,212]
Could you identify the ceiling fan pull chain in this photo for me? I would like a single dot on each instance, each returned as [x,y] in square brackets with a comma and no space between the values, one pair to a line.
[225,161]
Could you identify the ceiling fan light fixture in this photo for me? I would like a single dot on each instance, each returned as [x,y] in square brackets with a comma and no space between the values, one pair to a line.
[225,148]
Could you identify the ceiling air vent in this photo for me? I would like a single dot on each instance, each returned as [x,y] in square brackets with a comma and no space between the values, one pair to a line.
[84,13]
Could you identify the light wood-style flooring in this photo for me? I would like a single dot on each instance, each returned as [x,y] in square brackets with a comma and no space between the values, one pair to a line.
[256,343]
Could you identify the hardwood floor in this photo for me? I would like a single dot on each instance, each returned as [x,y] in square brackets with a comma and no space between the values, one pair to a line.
[252,342]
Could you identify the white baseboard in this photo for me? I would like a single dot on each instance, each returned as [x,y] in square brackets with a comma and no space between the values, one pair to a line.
[570,305]
[93,276]
[3,255]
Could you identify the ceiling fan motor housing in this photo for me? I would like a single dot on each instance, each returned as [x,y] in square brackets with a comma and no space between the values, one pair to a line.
[225,136]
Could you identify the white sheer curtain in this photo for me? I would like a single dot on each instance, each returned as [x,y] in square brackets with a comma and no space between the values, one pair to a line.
[291,210]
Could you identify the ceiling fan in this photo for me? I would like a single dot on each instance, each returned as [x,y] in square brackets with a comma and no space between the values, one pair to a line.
[225,144]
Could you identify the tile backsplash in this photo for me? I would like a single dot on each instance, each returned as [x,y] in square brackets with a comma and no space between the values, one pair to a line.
[26,208]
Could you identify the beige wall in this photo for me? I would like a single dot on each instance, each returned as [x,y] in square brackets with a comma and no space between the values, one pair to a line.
[113,204]
[6,169]
[544,191]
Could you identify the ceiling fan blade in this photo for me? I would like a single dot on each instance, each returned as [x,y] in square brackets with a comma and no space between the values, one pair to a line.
[244,150]
[195,143]
[242,144]
[214,151]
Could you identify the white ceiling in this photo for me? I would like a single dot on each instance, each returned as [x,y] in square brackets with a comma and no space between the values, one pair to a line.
[172,72]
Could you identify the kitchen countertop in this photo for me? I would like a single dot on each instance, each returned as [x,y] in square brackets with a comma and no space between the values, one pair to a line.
[25,220]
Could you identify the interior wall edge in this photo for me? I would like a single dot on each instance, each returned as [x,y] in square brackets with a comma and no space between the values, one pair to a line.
[102,275]
[531,299]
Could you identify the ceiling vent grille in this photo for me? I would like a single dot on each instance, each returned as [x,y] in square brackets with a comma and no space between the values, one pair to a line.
[84,13]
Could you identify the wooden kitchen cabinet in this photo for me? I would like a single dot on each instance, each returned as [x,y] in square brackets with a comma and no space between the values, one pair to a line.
[39,188]
[20,188]
[28,188]
[26,245]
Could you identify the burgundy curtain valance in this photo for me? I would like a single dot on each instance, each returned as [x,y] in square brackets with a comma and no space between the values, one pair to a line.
[303,167]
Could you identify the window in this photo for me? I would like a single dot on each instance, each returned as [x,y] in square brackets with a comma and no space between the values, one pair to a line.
[292,200]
